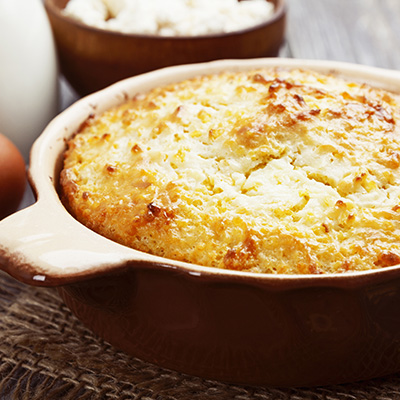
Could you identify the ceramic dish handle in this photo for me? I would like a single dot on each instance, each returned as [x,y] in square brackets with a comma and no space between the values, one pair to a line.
[40,245]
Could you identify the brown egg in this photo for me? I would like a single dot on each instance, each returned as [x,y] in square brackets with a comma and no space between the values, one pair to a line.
[12,177]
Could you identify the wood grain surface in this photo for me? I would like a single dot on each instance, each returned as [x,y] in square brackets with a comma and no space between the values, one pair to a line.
[357,31]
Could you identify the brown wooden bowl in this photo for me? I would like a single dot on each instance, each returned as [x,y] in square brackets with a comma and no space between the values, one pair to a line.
[92,58]
[241,327]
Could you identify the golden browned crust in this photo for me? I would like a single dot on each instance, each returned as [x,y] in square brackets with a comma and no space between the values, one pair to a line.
[281,171]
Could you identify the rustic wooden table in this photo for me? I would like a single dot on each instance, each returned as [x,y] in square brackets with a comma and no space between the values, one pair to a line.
[357,31]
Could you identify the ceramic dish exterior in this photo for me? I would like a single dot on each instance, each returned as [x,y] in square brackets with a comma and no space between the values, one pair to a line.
[92,58]
[239,327]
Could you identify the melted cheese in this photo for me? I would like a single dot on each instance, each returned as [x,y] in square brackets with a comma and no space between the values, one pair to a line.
[266,171]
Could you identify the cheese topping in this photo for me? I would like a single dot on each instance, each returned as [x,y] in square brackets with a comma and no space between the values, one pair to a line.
[273,171]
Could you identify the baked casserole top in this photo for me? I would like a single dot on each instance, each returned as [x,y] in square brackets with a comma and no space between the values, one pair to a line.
[268,170]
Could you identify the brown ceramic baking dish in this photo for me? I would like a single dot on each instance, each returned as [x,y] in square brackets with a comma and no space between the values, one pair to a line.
[239,327]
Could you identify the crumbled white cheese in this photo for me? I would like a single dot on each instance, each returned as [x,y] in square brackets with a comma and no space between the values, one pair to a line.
[172,17]
[90,12]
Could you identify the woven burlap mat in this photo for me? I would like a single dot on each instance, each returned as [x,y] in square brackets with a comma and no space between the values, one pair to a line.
[46,353]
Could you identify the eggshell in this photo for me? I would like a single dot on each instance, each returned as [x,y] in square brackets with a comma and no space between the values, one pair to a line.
[12,177]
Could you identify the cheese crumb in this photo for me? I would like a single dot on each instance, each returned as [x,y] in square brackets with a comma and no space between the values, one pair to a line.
[172,17]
